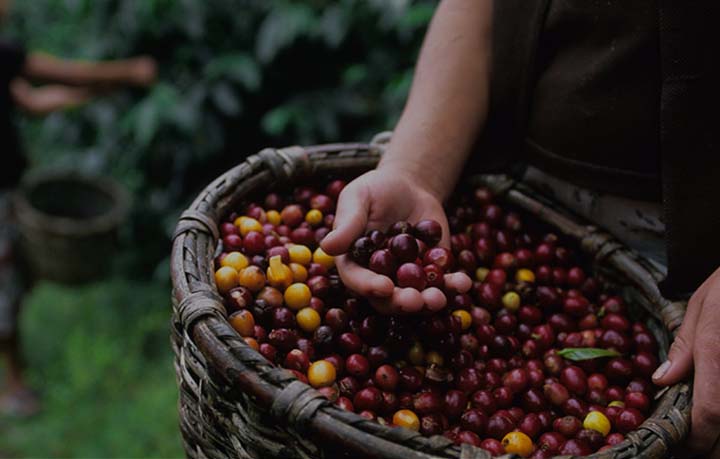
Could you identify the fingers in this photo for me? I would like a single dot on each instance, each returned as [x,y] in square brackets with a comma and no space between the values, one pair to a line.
[351,218]
[705,422]
[458,282]
[680,356]
[362,280]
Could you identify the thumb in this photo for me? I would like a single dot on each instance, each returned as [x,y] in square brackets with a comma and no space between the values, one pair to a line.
[680,357]
[351,218]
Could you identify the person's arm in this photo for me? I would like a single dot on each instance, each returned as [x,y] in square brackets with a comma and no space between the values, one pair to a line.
[44,100]
[139,71]
[448,102]
[445,112]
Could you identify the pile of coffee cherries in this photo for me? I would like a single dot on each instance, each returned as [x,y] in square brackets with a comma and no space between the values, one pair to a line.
[537,359]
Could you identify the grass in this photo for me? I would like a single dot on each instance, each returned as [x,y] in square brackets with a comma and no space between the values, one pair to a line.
[100,356]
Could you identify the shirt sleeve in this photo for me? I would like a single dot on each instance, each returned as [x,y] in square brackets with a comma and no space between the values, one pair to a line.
[12,60]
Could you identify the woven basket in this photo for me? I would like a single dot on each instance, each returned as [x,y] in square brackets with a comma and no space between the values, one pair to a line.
[234,403]
[68,223]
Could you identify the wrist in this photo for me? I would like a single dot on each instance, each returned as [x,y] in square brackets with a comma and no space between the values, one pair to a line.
[427,177]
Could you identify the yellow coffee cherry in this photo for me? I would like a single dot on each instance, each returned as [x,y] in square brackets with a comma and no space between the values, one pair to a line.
[465,318]
[322,258]
[525,275]
[314,217]
[434,358]
[308,319]
[297,296]
[321,373]
[299,272]
[249,224]
[617,403]
[481,274]
[407,419]
[226,278]
[518,443]
[252,278]
[252,342]
[273,217]
[596,420]
[235,260]
[279,275]
[416,354]
[511,301]
[300,254]
[243,322]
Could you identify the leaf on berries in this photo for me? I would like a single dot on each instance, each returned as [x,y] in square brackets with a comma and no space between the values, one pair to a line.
[586,353]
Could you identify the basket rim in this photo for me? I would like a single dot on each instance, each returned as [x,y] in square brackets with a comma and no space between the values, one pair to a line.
[203,328]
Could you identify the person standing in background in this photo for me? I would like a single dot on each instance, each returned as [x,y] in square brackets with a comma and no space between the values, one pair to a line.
[38,84]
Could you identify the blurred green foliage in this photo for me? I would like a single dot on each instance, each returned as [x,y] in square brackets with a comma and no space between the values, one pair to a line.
[100,357]
[235,76]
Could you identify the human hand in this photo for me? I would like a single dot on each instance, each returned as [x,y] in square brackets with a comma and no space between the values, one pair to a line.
[142,71]
[696,347]
[376,200]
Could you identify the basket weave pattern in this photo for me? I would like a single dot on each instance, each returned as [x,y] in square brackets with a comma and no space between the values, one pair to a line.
[234,403]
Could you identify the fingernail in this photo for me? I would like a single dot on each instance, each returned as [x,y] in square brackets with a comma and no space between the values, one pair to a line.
[662,369]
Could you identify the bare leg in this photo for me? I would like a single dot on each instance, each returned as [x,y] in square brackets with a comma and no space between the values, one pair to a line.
[17,399]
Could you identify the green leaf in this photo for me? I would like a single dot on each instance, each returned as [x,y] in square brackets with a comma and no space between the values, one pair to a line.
[281,28]
[225,99]
[238,67]
[586,353]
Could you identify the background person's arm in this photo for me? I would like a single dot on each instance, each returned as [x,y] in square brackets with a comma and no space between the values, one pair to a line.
[138,71]
[43,100]
[444,114]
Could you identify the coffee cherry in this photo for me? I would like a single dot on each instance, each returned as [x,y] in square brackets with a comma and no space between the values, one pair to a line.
[410,379]
[551,442]
[383,262]
[386,377]
[308,320]
[517,443]
[644,364]
[575,447]
[574,379]
[407,419]
[499,425]
[596,420]
[297,296]
[297,360]
[361,250]
[471,438]
[411,275]
[369,398]
[428,403]
[428,231]
[440,257]
[567,426]
[404,247]
[243,322]
[511,301]
[336,319]
[637,400]
[530,425]
[628,420]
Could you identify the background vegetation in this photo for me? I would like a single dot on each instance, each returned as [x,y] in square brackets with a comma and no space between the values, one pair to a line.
[236,76]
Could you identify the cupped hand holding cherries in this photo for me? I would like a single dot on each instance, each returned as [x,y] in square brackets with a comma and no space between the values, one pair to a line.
[403,267]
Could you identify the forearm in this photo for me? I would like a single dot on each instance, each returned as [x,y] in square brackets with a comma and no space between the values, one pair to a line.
[43,67]
[448,102]
[44,100]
